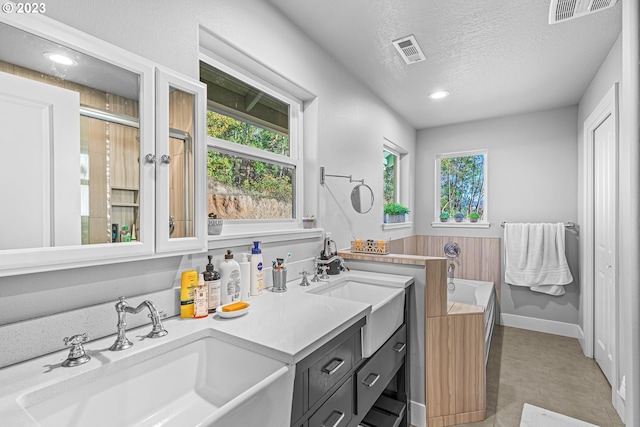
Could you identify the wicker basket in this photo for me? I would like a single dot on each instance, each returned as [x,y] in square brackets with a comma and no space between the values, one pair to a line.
[370,246]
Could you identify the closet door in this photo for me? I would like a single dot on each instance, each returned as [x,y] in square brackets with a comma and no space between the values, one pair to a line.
[604,244]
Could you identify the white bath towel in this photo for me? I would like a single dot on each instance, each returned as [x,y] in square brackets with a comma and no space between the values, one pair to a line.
[535,257]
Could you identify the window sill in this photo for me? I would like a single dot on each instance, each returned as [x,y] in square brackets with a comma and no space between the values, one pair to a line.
[271,236]
[396,225]
[453,224]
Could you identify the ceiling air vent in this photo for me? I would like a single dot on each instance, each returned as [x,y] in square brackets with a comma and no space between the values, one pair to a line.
[564,10]
[409,49]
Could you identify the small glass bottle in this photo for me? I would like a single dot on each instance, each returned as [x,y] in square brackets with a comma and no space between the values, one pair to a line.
[125,235]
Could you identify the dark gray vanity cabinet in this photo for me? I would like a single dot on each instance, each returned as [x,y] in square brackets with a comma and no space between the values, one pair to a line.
[323,386]
[336,387]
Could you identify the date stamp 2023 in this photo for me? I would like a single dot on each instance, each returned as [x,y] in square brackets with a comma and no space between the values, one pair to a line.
[24,8]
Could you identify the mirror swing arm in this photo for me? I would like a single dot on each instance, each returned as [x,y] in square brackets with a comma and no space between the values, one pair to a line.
[356,200]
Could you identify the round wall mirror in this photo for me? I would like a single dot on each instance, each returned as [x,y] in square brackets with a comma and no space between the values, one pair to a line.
[362,198]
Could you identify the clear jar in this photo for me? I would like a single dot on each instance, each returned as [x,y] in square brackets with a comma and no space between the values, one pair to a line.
[125,234]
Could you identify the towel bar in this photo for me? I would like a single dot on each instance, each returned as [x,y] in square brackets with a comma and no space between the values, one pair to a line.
[567,224]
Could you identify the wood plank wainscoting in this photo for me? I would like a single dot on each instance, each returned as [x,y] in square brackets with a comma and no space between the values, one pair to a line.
[454,332]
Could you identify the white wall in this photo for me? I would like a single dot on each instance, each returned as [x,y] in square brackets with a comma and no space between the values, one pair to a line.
[532,177]
[346,125]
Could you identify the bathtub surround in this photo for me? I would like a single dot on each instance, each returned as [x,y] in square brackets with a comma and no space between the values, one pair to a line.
[535,257]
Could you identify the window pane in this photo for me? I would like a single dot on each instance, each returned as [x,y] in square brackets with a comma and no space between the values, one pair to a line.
[230,129]
[239,188]
[462,185]
[241,113]
[390,177]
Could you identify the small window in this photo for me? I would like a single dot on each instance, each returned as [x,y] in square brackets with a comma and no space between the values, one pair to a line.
[390,170]
[253,165]
[462,188]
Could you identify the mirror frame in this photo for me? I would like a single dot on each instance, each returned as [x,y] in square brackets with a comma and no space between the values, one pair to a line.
[22,261]
[165,79]
[355,190]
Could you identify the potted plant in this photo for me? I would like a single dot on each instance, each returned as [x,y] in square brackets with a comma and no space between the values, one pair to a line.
[458,217]
[308,221]
[444,217]
[394,212]
[474,217]
[214,224]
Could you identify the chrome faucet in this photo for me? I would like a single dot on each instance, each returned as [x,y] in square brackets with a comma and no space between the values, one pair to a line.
[122,308]
[450,270]
[77,355]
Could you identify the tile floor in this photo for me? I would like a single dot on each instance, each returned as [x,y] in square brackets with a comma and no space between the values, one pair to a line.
[547,371]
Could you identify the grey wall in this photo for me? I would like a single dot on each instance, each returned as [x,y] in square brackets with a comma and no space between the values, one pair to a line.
[532,177]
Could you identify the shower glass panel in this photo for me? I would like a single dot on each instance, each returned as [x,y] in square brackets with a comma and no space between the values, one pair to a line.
[181,164]
[109,180]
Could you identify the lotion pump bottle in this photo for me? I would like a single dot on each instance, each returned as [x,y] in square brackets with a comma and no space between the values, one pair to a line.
[245,278]
[257,275]
[212,280]
[229,279]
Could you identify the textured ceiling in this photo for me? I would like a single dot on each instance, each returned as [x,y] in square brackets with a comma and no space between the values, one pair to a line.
[496,57]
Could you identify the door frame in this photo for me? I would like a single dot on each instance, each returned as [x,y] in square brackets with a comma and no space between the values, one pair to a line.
[608,106]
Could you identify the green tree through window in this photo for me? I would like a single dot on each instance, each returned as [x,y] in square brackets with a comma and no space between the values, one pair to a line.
[462,185]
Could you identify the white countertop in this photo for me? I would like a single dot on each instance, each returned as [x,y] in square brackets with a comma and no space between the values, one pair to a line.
[285,326]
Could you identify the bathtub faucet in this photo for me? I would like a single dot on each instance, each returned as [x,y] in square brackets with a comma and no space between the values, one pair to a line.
[450,270]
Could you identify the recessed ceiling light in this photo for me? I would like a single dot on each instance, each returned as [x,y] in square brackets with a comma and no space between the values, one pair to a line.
[439,94]
[60,58]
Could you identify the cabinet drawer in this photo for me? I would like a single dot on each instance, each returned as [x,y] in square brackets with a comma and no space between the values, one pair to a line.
[331,367]
[372,378]
[337,411]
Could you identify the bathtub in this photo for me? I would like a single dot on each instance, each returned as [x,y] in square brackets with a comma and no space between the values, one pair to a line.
[477,293]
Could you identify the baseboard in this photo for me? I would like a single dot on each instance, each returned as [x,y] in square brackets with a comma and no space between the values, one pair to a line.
[418,414]
[542,325]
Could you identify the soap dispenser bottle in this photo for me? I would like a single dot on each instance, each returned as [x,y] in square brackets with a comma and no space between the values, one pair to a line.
[245,277]
[229,279]
[212,280]
[257,276]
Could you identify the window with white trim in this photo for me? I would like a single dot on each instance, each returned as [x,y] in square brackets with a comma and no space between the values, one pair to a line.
[461,188]
[254,159]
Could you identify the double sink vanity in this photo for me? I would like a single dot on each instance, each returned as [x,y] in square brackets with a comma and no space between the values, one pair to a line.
[333,353]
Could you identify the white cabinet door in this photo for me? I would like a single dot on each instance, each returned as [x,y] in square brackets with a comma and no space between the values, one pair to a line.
[180,164]
[40,180]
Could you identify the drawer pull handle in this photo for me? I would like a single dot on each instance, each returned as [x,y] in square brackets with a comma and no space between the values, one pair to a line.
[399,347]
[370,383]
[333,366]
[335,414]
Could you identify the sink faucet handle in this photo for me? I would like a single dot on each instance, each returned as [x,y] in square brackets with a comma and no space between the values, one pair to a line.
[77,355]
[304,282]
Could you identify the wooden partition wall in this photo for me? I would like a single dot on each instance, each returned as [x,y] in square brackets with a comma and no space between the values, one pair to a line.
[455,376]
[479,256]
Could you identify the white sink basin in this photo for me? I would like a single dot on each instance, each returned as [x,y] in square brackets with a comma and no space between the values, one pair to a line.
[387,309]
[206,382]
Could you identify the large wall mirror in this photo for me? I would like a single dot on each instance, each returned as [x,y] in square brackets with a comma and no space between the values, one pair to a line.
[73,138]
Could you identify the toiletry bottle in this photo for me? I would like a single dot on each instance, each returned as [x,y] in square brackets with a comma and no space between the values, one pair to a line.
[245,278]
[212,280]
[188,283]
[134,235]
[256,270]
[229,279]
[201,301]
[125,235]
